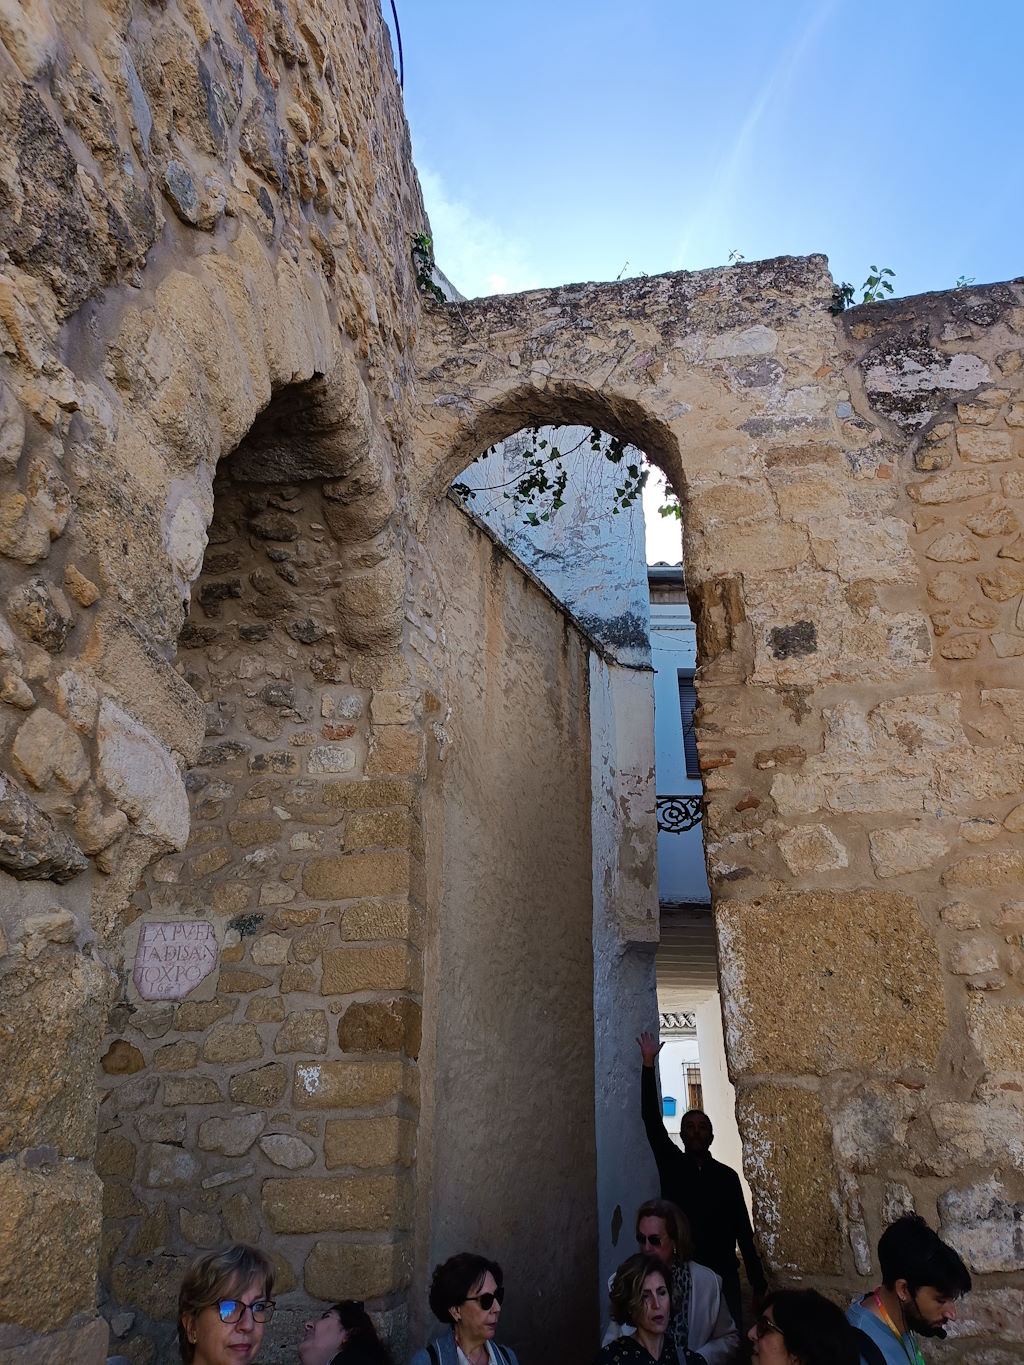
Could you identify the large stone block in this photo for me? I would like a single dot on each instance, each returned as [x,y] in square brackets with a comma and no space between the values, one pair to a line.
[52,1018]
[381,1026]
[858,969]
[997,1031]
[356,1203]
[986,1225]
[141,777]
[345,1085]
[369,1143]
[788,1161]
[391,967]
[336,1270]
[355,875]
[49,1231]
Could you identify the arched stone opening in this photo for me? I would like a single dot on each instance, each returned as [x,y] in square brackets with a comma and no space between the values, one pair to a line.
[542,907]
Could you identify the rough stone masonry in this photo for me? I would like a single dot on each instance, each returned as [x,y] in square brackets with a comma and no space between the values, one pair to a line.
[226,420]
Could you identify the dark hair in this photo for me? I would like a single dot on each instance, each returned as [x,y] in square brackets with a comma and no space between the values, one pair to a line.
[676,1224]
[216,1276]
[455,1279]
[813,1329]
[909,1250]
[362,1334]
[625,1297]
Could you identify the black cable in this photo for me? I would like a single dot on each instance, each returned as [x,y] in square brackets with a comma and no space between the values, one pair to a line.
[401,59]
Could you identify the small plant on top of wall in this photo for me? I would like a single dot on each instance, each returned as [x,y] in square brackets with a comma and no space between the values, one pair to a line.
[876,287]
[537,490]
[423,260]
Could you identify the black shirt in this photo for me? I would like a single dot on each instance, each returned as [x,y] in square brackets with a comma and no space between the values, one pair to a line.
[709,1194]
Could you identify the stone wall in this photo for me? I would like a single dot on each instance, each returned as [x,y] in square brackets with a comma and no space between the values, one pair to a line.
[851,521]
[278,1101]
[201,207]
[508,1145]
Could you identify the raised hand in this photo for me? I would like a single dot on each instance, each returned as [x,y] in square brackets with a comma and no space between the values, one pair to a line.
[649,1047]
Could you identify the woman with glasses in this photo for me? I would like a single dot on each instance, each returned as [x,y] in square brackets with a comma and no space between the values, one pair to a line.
[700,1324]
[641,1300]
[466,1294]
[801,1327]
[224,1304]
[343,1335]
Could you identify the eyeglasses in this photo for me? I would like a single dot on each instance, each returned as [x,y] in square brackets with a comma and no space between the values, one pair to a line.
[764,1325]
[652,1239]
[486,1301]
[233,1310]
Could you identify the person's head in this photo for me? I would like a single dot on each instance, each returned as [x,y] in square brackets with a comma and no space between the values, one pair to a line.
[801,1327]
[696,1132]
[925,1274]
[336,1329]
[466,1293]
[640,1295]
[663,1232]
[224,1303]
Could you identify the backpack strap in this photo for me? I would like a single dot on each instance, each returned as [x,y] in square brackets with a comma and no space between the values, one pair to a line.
[870,1351]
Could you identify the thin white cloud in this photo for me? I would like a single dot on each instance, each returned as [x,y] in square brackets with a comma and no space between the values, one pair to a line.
[713,207]
[475,254]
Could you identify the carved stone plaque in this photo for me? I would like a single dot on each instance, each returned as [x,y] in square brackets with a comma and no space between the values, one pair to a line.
[173,958]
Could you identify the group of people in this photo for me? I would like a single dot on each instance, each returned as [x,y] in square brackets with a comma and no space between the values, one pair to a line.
[675,1301]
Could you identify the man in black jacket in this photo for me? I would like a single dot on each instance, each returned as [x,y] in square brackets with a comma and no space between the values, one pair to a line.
[708,1193]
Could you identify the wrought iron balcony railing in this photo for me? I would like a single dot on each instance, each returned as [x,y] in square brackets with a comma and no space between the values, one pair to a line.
[677,814]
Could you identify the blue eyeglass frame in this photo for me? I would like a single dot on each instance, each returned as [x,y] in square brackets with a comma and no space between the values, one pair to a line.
[226,1310]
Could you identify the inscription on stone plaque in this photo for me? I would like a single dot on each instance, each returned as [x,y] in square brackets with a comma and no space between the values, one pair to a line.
[173,958]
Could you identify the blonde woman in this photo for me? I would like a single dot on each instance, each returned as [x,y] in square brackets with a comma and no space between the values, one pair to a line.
[224,1304]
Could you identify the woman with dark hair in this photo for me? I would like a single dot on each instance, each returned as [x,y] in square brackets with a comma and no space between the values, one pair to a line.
[223,1306]
[466,1294]
[343,1335]
[700,1324]
[801,1327]
[640,1298]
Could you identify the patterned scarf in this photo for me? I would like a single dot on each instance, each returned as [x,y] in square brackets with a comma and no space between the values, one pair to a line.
[679,1328]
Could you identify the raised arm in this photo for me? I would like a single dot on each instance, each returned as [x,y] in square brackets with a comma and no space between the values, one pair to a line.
[664,1149]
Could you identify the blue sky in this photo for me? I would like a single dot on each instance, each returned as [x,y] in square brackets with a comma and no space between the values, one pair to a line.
[557,142]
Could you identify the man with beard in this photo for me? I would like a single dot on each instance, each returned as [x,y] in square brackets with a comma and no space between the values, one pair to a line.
[922,1278]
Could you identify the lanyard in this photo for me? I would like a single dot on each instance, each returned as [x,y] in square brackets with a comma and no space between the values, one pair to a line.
[916,1358]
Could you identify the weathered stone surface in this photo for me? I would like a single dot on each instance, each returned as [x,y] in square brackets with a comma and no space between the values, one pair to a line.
[351,969]
[263,1086]
[46,1279]
[344,1204]
[910,848]
[192,1090]
[369,1271]
[867,999]
[344,1085]
[168,1167]
[355,875]
[788,1154]
[284,1149]
[812,848]
[303,1031]
[52,1017]
[229,1042]
[31,846]
[985,1224]
[41,610]
[141,777]
[997,1029]
[381,1026]
[122,1059]
[230,1136]
[369,1143]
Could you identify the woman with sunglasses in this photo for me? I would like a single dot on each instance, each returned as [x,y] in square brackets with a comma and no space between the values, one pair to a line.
[343,1335]
[224,1304]
[466,1294]
[700,1324]
[801,1327]
[640,1299]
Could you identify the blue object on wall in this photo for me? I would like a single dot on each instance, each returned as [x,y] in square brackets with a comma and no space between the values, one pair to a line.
[668,1106]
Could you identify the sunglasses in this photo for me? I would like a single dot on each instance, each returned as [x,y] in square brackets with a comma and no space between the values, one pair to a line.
[234,1310]
[487,1301]
[653,1239]
[764,1325]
